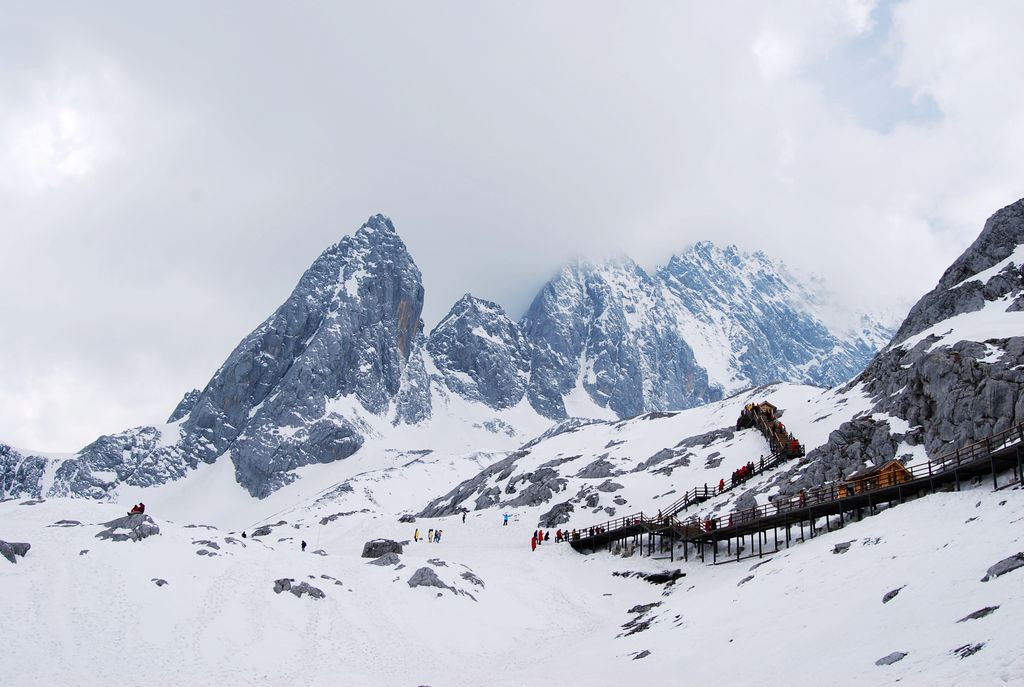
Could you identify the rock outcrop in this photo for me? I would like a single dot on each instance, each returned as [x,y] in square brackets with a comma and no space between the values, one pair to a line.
[11,549]
[134,527]
[482,354]
[954,372]
[375,548]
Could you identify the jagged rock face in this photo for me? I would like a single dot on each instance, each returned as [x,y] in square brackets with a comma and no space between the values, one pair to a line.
[482,354]
[755,323]
[185,406]
[347,336]
[608,330]
[20,475]
[956,366]
[346,330]
[955,369]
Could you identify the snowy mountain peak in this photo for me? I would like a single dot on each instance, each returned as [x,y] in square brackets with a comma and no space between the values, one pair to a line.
[481,353]
[750,321]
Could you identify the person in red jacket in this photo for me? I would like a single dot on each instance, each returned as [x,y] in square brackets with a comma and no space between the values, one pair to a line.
[721,485]
[533,543]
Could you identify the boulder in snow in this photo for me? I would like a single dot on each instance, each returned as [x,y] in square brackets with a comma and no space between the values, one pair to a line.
[375,548]
[1004,566]
[387,559]
[894,657]
[286,584]
[134,527]
[426,577]
[11,549]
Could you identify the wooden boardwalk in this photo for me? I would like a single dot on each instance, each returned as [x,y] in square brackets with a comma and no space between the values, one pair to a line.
[836,502]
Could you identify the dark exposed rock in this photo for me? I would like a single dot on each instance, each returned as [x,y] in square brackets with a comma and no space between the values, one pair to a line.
[598,468]
[888,660]
[481,353]
[643,608]
[66,523]
[979,614]
[559,514]
[375,548]
[968,649]
[641,654]
[158,581]
[185,406]
[450,503]
[11,549]
[20,475]
[331,518]
[666,578]
[386,559]
[207,542]
[471,578]
[408,517]
[286,584]
[133,527]
[609,486]
[426,577]
[889,596]
[1004,566]
[842,547]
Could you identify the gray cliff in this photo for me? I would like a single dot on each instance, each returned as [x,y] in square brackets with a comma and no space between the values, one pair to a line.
[482,354]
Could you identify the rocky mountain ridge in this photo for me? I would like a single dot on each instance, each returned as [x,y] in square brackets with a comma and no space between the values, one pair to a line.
[347,350]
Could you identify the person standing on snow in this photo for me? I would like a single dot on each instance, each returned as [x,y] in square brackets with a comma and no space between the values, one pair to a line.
[506,519]
[533,543]
[303,545]
[437,536]
[547,536]
[416,535]
[430,535]
[463,517]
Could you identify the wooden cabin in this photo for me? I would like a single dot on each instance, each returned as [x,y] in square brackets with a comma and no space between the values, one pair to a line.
[875,477]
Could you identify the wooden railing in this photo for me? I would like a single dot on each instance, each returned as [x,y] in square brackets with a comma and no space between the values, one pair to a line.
[833,492]
[836,491]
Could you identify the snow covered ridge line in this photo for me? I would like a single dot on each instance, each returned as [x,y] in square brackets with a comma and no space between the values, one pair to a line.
[345,360]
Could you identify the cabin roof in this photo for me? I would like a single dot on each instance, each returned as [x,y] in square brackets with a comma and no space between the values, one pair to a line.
[874,470]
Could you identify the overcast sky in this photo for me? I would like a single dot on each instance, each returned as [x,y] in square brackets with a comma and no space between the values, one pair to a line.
[168,171]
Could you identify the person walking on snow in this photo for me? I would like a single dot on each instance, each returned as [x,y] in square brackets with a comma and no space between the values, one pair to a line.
[303,545]
[437,537]
[547,536]
[416,535]
[721,485]
[533,543]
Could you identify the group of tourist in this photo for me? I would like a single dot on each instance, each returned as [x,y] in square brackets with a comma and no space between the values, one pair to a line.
[433,536]
[742,474]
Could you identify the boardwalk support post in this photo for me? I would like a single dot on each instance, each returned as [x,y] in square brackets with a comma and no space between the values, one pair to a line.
[992,464]
[1020,473]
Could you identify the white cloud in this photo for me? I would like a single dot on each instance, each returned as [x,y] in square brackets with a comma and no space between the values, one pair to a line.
[161,201]
[65,128]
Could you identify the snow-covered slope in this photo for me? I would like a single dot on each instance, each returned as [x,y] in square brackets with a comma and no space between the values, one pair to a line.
[545,617]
